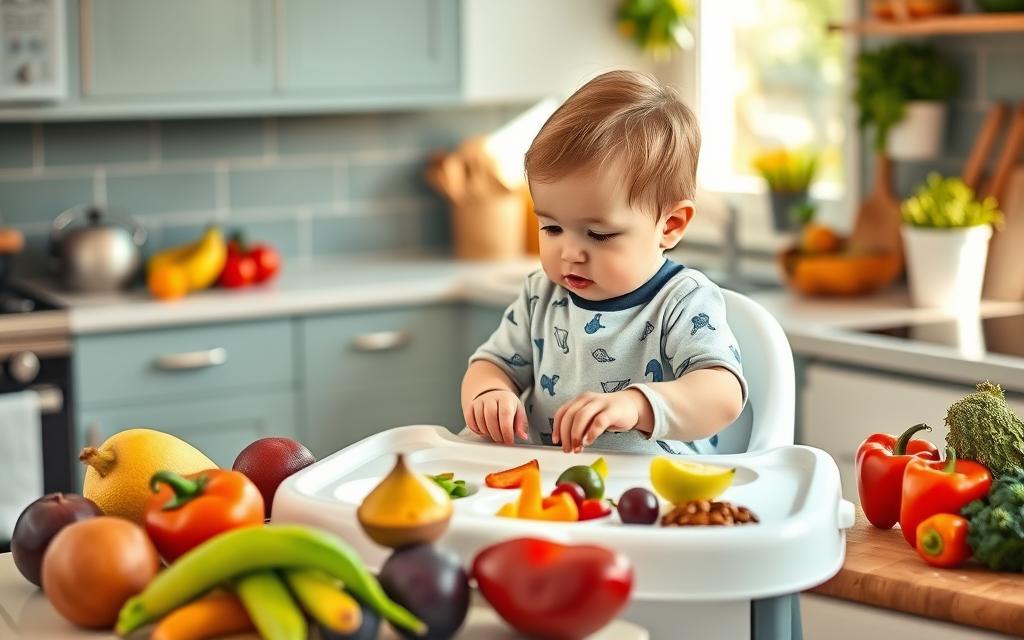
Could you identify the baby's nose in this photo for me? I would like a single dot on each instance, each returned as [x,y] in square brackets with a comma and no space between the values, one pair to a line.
[572,253]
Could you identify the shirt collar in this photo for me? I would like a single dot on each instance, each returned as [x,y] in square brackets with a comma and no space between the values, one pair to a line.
[639,296]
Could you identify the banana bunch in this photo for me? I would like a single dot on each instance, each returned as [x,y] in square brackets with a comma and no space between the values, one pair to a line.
[277,571]
[174,272]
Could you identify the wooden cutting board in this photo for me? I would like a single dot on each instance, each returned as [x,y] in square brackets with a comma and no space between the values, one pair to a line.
[1004,273]
[877,227]
[882,570]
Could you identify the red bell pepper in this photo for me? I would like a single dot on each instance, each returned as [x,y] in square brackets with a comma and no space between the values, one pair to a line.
[188,510]
[592,508]
[942,540]
[549,590]
[881,459]
[939,487]
[247,264]
[510,478]
[267,259]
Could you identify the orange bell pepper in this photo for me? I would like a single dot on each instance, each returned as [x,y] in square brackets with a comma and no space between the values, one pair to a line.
[189,510]
[942,540]
[533,506]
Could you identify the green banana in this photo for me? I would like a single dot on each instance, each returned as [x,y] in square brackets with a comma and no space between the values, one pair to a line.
[271,607]
[321,596]
[252,548]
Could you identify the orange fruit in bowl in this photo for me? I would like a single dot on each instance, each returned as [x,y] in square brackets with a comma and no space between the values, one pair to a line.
[817,238]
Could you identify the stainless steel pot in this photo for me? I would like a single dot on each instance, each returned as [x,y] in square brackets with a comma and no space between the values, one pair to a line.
[102,254]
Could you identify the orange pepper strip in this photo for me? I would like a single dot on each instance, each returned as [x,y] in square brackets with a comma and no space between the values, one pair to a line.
[214,616]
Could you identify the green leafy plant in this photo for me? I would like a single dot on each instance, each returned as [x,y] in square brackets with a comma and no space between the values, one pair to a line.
[891,76]
[787,170]
[657,26]
[948,202]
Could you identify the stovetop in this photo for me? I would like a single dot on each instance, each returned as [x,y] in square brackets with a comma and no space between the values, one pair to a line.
[27,319]
[973,337]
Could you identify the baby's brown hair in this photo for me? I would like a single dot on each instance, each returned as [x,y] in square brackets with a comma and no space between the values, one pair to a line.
[629,118]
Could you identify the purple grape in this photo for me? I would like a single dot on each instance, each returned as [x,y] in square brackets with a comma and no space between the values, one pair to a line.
[638,506]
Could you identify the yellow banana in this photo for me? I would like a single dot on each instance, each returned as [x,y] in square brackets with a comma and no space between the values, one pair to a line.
[202,261]
[240,551]
[682,481]
[321,596]
[270,606]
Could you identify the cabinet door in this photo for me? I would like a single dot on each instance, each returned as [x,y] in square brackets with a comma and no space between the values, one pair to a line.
[363,48]
[841,407]
[367,372]
[157,48]
[219,427]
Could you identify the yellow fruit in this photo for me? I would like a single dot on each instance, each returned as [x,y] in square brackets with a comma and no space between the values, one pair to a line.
[682,481]
[118,473]
[601,467]
[817,238]
[201,261]
[405,508]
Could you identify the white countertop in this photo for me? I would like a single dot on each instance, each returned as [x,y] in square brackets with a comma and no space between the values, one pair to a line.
[824,327]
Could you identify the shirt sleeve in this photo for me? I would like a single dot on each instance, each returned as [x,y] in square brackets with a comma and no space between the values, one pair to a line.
[695,335]
[509,347]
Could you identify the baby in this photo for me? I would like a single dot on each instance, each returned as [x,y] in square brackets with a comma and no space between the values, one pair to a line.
[611,344]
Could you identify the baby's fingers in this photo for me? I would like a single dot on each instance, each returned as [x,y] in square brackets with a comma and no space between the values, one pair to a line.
[507,418]
[491,420]
[520,422]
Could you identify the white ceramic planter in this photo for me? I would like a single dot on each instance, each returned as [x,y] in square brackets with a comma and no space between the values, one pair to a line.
[920,134]
[946,267]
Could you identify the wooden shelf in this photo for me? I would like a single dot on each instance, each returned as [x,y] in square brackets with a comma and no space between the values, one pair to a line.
[958,24]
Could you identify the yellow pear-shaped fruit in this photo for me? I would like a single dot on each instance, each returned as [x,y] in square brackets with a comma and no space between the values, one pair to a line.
[118,471]
[682,481]
[405,508]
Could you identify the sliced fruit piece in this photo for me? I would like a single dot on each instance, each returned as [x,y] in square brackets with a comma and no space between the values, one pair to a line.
[510,478]
[681,481]
[601,467]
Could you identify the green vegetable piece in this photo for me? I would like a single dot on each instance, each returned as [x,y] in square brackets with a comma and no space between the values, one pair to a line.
[996,524]
[984,428]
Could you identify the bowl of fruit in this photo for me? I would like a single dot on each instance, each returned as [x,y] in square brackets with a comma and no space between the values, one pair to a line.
[824,264]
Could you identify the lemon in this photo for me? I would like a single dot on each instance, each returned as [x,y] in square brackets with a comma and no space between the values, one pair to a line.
[682,481]
[601,467]
[118,473]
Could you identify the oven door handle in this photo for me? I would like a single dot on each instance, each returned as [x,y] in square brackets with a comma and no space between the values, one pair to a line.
[51,398]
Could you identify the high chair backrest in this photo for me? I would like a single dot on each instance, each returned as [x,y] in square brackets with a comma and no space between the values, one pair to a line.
[768,419]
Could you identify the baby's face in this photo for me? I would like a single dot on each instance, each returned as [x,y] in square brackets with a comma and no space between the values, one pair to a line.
[591,241]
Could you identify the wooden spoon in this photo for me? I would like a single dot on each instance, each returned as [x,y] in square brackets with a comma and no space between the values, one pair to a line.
[877,228]
[983,144]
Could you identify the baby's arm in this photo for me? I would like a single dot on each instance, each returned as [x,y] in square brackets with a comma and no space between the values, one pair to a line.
[702,403]
[491,404]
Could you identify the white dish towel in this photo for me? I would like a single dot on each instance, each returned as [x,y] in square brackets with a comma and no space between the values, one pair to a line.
[21,433]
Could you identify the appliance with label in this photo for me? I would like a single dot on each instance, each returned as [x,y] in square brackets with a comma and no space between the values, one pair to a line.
[33,60]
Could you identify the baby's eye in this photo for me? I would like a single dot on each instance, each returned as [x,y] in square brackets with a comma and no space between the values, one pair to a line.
[601,237]
[551,229]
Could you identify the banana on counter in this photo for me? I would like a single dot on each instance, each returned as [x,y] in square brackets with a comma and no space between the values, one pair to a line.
[174,272]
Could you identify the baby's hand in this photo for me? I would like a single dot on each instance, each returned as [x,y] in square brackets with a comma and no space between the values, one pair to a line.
[497,414]
[579,421]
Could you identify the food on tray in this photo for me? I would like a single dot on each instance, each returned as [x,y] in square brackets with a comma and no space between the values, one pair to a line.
[39,523]
[268,461]
[118,473]
[601,467]
[638,506]
[942,540]
[186,511]
[430,583]
[530,505]
[454,488]
[997,524]
[881,460]
[706,512]
[93,566]
[939,487]
[592,509]
[238,552]
[587,477]
[550,590]
[405,508]
[510,478]
[571,489]
[983,427]
[680,481]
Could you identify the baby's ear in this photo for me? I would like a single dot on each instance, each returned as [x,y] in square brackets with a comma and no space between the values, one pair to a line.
[673,222]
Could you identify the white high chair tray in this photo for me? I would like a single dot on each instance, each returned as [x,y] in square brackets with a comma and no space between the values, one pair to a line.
[799,542]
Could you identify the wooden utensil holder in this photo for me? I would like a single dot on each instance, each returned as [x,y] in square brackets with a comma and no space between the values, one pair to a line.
[490,228]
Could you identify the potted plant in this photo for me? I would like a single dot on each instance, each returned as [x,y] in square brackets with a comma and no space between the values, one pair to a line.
[901,92]
[789,173]
[946,230]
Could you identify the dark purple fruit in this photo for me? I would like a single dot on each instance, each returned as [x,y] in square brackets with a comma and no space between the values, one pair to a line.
[368,630]
[638,506]
[432,584]
[39,523]
[268,461]
[574,490]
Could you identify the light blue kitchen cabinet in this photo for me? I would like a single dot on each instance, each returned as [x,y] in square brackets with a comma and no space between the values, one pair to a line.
[219,426]
[362,49]
[185,50]
[365,372]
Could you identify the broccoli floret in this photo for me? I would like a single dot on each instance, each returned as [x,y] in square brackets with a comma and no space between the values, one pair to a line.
[984,428]
[996,529]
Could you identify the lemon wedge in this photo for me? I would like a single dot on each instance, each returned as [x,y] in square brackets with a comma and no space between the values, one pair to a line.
[681,481]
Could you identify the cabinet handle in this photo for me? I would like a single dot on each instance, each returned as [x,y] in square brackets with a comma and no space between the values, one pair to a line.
[192,360]
[51,398]
[380,341]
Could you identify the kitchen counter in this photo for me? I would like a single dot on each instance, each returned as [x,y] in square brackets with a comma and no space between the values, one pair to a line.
[25,614]
[882,570]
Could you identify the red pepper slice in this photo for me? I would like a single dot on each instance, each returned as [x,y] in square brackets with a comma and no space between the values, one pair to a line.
[592,508]
[939,487]
[881,460]
[510,478]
